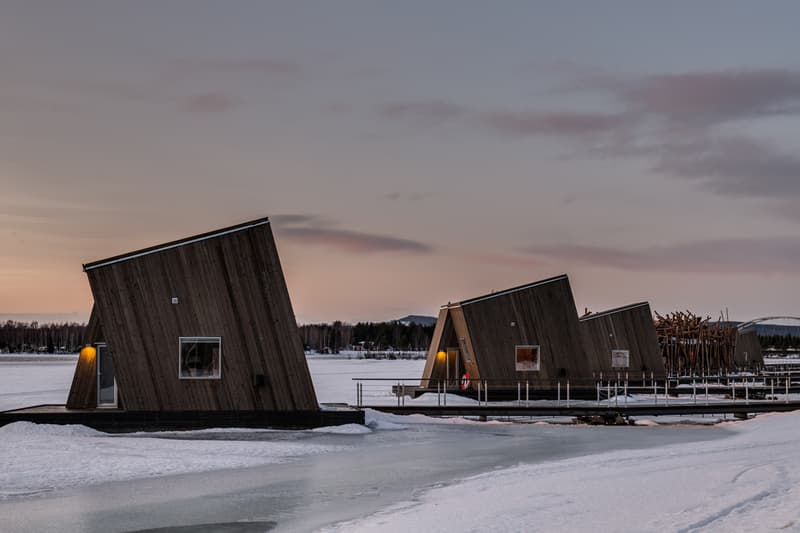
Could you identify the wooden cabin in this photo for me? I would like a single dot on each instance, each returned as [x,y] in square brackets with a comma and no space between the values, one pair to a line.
[747,352]
[527,334]
[200,324]
[623,341]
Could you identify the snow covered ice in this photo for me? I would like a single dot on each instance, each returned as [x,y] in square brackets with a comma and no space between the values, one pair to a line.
[396,473]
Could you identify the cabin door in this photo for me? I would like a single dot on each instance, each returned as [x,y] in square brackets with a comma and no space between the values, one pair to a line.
[106,382]
[453,367]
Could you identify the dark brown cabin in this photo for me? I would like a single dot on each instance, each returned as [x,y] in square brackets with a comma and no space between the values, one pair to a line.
[747,352]
[200,324]
[524,334]
[623,341]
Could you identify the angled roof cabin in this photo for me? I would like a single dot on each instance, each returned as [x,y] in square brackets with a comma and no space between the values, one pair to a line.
[623,340]
[747,352]
[527,333]
[200,324]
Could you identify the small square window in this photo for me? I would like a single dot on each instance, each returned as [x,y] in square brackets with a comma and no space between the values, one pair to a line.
[620,359]
[200,358]
[527,358]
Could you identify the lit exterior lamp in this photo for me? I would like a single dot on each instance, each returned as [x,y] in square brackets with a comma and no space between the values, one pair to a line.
[88,353]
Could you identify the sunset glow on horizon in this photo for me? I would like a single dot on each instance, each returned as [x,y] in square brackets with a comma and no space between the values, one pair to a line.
[409,154]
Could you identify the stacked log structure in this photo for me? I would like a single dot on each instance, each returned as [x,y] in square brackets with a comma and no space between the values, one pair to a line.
[693,345]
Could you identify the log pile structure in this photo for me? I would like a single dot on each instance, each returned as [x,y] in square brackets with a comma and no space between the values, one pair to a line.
[694,345]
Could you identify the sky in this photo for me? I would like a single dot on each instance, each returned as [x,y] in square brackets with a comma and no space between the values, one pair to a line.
[409,153]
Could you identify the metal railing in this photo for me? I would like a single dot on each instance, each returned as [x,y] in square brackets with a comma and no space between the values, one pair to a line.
[564,393]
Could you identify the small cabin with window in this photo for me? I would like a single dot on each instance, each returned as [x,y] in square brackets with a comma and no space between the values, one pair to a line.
[200,324]
[527,334]
[623,342]
[747,352]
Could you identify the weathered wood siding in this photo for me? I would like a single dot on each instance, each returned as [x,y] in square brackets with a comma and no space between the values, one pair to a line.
[83,392]
[228,286]
[748,350]
[629,328]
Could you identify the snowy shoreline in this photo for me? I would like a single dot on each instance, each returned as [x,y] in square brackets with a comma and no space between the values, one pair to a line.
[750,481]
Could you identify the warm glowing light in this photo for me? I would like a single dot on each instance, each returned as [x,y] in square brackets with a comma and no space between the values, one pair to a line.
[89,352]
[441,356]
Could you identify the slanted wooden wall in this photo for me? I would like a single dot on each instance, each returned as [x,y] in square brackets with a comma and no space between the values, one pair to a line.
[450,332]
[230,285]
[627,328]
[83,392]
[541,313]
[747,352]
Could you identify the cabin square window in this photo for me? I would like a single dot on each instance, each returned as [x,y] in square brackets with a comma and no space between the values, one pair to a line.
[200,358]
[527,358]
[620,359]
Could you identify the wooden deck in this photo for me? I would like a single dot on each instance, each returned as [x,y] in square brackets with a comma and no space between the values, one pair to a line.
[120,421]
[607,411]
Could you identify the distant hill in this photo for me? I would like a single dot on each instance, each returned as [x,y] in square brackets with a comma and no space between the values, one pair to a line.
[417,319]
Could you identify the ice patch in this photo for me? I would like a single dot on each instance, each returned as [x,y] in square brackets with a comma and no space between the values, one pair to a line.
[344,429]
[38,457]
[31,430]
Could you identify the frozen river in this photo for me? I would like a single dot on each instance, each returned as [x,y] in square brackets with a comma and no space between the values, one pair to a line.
[374,471]
[414,472]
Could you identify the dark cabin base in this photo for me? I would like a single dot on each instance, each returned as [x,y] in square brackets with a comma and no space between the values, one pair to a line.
[119,421]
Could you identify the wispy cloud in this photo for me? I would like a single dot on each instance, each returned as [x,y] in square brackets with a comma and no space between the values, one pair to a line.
[559,123]
[423,111]
[675,121]
[714,96]
[767,255]
[733,166]
[267,66]
[412,197]
[211,102]
[319,231]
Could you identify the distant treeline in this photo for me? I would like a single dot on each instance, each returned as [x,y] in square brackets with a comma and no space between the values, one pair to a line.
[32,337]
[29,337]
[374,336]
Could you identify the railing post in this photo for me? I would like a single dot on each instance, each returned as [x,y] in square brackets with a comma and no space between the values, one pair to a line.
[527,394]
[747,392]
[519,394]
[559,394]
[626,390]
[567,394]
[786,383]
[479,393]
[597,389]
[772,388]
[486,392]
